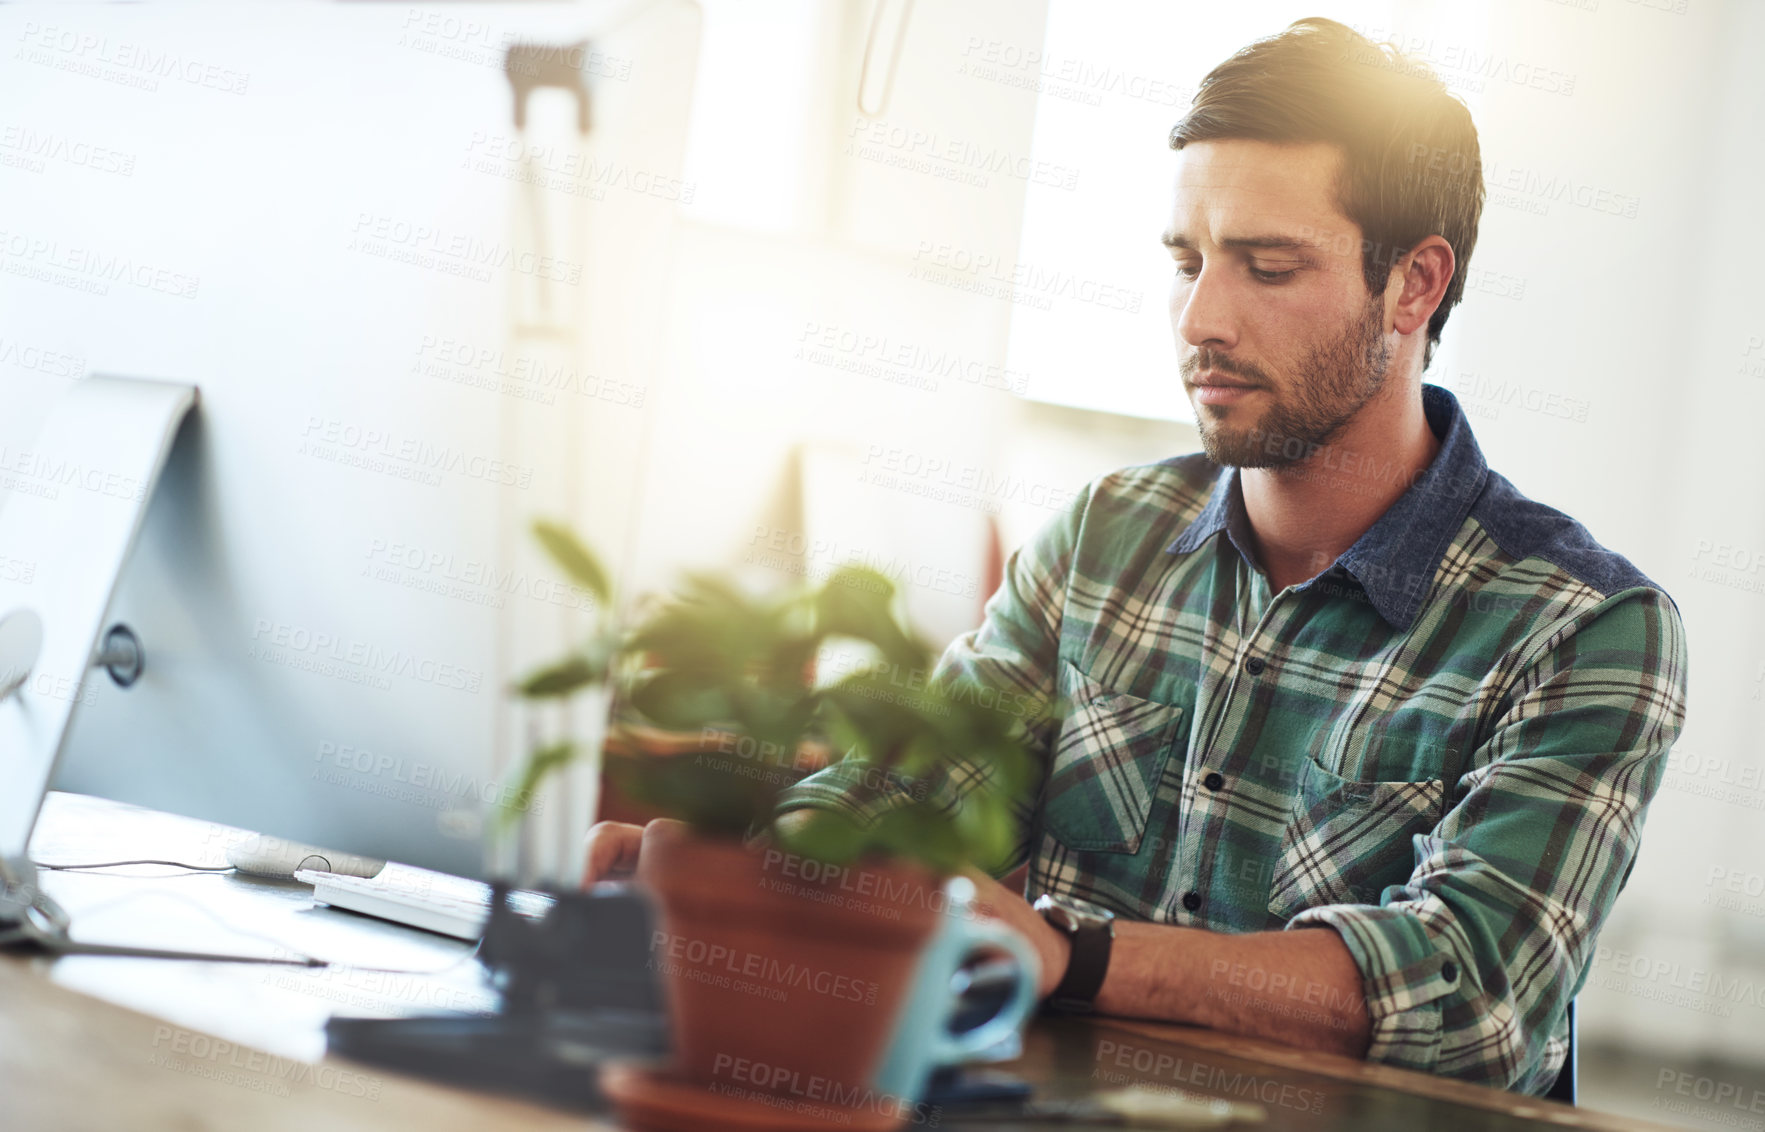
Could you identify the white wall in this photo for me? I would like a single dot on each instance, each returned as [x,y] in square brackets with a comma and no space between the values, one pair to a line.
[817,329]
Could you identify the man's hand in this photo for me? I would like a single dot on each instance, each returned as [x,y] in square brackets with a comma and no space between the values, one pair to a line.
[613,847]
[1052,946]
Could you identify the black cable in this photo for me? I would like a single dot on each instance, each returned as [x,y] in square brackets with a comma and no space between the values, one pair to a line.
[116,864]
[61,945]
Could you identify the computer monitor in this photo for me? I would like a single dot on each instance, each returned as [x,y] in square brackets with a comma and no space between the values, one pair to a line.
[422,308]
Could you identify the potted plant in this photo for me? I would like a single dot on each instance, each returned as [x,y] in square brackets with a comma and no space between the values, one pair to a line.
[786,947]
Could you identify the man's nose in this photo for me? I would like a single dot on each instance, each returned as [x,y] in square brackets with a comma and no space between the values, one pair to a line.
[1203,313]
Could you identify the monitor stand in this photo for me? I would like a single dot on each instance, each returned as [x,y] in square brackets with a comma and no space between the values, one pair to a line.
[74,509]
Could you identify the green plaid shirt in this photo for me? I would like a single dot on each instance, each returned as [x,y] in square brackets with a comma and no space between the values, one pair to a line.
[1442,746]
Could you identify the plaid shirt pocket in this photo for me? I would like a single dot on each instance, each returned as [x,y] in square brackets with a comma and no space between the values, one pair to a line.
[1110,754]
[1347,841]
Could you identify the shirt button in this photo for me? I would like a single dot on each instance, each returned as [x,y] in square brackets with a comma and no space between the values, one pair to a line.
[1099,701]
[1255,665]
[1449,971]
[1192,901]
[1214,781]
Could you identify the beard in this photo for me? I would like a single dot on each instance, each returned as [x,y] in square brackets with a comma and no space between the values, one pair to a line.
[1333,381]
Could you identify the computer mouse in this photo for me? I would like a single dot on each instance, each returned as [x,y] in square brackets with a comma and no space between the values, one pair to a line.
[278,858]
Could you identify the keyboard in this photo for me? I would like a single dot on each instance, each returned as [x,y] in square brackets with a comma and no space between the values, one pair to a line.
[435,902]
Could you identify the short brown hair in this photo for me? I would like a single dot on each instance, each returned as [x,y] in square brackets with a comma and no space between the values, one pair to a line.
[1412,166]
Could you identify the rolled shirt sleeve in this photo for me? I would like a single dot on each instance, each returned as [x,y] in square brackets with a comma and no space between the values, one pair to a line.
[1469,965]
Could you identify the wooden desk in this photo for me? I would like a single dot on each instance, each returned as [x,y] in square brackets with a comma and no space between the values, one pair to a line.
[1298,1089]
[225,1046]
[73,1063]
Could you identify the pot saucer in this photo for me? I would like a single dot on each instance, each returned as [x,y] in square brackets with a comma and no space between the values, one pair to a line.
[650,1099]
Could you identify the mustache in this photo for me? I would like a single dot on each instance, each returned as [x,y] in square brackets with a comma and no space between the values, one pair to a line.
[1204,358]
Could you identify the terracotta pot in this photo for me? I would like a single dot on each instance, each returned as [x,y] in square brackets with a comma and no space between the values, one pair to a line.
[784,976]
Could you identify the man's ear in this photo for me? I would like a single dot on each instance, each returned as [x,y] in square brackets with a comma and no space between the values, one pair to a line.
[1418,284]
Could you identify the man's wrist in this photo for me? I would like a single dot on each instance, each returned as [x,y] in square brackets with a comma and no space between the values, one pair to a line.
[1088,930]
[1056,958]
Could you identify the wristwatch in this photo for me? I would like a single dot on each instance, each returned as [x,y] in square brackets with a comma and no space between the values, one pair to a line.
[1092,931]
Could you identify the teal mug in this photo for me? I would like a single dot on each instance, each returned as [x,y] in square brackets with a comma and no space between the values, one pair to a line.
[923,1041]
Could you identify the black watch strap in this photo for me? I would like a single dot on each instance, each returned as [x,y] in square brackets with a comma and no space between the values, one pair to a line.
[1077,992]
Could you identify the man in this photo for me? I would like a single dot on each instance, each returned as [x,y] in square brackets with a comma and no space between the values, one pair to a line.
[1354,741]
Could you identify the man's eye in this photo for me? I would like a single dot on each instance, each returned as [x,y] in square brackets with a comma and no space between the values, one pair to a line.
[1272,276]
[1187,270]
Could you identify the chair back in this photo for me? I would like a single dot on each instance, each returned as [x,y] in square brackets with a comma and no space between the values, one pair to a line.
[1563,1088]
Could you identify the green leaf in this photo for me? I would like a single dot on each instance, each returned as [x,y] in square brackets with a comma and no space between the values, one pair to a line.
[986,827]
[716,793]
[539,764]
[822,835]
[576,559]
[562,678]
[863,584]
[682,639]
[920,833]
[867,706]
[854,602]
[786,660]
[682,701]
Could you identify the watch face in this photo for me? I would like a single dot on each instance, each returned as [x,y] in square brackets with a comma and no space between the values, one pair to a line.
[1088,909]
[1071,912]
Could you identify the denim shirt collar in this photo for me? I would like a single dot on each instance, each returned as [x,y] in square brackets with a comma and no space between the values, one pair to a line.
[1395,560]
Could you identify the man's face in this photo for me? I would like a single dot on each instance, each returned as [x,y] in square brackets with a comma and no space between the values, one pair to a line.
[1278,341]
